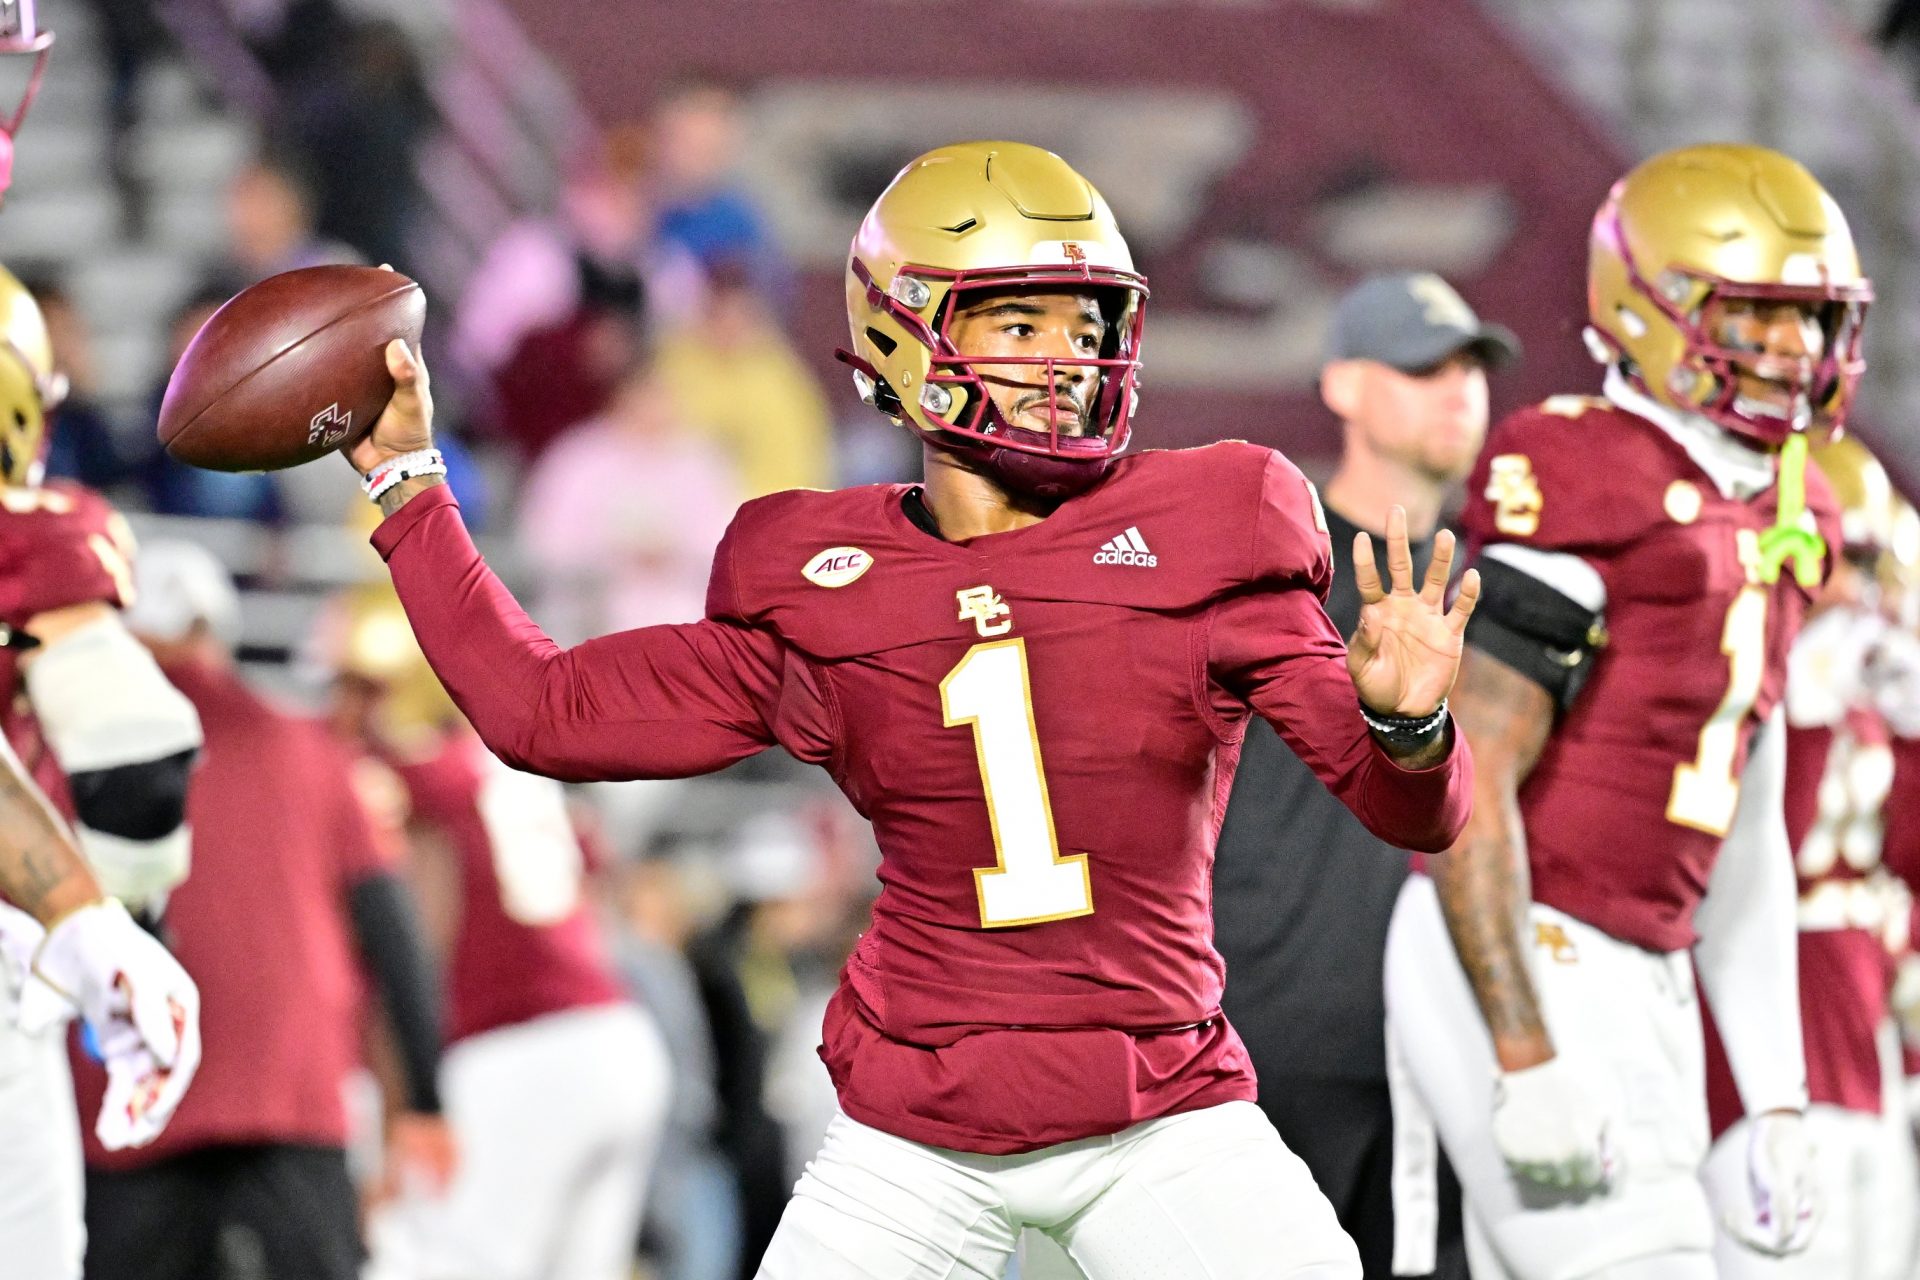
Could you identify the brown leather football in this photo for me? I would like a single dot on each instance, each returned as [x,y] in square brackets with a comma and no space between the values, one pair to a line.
[289,369]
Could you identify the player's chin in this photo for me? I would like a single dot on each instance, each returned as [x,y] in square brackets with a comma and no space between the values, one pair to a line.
[1041,421]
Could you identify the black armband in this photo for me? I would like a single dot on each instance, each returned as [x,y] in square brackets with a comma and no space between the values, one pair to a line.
[1538,631]
[141,801]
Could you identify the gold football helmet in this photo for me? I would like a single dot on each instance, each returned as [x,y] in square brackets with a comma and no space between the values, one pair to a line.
[990,216]
[30,388]
[1729,222]
[376,645]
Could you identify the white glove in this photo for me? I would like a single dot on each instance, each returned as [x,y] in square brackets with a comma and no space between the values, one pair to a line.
[1553,1132]
[1780,1182]
[144,1011]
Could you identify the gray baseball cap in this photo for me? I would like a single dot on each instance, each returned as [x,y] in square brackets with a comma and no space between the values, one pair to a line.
[1413,321]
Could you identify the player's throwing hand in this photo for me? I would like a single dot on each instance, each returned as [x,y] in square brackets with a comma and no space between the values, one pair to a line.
[406,425]
[1406,651]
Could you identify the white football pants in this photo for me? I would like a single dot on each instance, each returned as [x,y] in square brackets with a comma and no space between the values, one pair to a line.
[43,1232]
[1631,1018]
[1210,1194]
[558,1121]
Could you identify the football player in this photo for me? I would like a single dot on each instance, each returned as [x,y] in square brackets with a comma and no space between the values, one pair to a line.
[294,912]
[1853,917]
[555,1084]
[1031,672]
[1648,558]
[67,948]
[102,732]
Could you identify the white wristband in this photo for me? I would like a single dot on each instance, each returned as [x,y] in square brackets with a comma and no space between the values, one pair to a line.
[421,462]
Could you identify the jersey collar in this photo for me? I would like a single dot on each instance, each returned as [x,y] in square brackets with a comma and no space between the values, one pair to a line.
[1737,470]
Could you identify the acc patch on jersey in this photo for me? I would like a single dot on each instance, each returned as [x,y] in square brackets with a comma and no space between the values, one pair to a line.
[837,566]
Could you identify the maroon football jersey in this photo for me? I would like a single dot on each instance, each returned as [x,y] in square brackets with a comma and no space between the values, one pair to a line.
[1854,913]
[1626,808]
[1041,725]
[279,840]
[527,944]
[61,544]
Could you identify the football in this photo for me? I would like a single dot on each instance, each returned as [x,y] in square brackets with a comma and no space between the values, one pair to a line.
[290,369]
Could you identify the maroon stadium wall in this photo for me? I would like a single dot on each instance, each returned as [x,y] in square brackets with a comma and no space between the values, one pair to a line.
[1263,153]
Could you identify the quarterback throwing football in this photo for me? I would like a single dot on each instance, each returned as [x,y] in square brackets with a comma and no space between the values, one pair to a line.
[1031,672]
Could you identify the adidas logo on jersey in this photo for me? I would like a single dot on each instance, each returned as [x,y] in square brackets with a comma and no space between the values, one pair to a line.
[1128,548]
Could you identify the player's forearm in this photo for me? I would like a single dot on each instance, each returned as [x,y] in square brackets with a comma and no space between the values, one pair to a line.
[388,933]
[41,871]
[1747,956]
[1484,893]
[491,656]
[1484,883]
[649,703]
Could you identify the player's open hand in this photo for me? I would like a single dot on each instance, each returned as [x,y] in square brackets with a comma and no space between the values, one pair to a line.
[406,424]
[1406,651]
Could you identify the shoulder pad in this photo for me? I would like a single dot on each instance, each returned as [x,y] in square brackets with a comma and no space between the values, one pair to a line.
[60,545]
[1573,473]
[779,543]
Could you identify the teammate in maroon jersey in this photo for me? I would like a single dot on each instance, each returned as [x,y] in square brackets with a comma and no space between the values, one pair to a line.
[66,947]
[1031,674]
[556,1085]
[104,736]
[1854,916]
[1648,558]
[292,906]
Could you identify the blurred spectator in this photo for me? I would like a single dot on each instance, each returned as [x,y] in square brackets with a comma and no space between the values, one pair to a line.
[357,117]
[253,1169]
[736,379]
[82,444]
[557,1086]
[288,36]
[131,34]
[620,518]
[693,1214]
[698,126]
[271,211]
[1900,24]
[558,306]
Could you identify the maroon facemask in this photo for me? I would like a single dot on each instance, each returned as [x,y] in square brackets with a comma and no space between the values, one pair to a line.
[20,35]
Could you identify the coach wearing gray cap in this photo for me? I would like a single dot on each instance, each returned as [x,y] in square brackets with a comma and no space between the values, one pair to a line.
[1302,892]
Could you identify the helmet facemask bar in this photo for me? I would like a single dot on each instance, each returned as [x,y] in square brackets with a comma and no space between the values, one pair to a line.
[19,34]
[955,397]
[1682,296]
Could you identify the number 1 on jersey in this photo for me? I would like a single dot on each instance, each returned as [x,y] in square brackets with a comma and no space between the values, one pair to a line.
[1031,883]
[1705,792]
